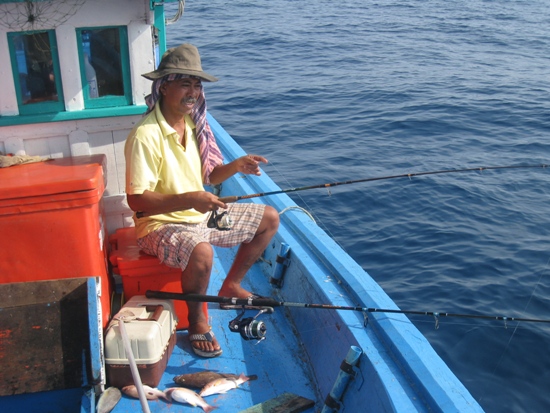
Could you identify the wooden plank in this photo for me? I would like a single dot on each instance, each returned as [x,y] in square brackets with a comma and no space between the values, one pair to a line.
[43,335]
[33,292]
[285,403]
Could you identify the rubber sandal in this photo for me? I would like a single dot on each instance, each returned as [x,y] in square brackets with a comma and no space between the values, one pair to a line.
[208,336]
[224,306]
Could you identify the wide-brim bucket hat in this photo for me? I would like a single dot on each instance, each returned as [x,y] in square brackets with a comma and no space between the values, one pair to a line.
[181,60]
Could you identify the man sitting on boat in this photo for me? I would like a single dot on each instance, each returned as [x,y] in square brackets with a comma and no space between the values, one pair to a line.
[170,154]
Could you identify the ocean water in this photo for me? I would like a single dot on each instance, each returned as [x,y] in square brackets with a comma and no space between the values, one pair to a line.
[338,90]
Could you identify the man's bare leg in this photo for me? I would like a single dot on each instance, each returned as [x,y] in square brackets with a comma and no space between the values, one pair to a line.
[248,254]
[195,279]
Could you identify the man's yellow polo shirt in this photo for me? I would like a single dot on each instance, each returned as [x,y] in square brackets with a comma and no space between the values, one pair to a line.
[156,161]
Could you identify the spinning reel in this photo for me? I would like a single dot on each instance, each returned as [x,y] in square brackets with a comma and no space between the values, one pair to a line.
[250,328]
[222,222]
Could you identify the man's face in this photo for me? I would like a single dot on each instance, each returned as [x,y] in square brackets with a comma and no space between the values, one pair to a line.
[181,95]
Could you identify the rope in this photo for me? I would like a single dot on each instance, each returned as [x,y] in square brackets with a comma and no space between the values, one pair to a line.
[177,16]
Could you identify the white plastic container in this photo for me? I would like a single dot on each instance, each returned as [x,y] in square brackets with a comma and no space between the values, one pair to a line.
[152,335]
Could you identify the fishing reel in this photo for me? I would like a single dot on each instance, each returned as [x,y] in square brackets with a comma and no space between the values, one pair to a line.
[250,328]
[222,222]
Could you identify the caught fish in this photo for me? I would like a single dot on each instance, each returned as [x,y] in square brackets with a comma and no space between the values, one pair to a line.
[202,378]
[108,400]
[150,393]
[222,385]
[183,395]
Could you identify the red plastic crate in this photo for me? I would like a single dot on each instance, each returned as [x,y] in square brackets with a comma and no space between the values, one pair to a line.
[141,272]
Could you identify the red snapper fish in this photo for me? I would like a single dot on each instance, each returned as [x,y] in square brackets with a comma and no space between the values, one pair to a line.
[150,393]
[202,378]
[184,395]
[222,385]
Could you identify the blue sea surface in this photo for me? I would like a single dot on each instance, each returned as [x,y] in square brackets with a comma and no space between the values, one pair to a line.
[339,90]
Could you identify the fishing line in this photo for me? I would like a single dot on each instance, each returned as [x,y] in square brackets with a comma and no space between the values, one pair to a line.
[306,211]
[314,217]
[474,325]
[543,272]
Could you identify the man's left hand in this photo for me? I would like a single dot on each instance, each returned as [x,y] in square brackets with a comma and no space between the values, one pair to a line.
[250,164]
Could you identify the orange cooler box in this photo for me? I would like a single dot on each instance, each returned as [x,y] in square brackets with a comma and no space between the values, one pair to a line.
[141,272]
[51,222]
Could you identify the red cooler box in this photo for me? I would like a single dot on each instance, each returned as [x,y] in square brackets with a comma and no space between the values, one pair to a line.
[141,272]
[51,222]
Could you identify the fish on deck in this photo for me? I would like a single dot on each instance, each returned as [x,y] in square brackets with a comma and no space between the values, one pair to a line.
[222,385]
[150,393]
[202,378]
[184,395]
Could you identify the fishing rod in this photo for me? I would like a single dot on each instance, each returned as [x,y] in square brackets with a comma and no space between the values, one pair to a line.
[228,199]
[251,328]
[213,221]
[271,302]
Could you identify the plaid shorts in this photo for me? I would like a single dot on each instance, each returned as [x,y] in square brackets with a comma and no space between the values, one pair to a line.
[174,243]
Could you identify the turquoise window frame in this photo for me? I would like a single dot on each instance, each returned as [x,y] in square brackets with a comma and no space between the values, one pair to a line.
[37,108]
[111,100]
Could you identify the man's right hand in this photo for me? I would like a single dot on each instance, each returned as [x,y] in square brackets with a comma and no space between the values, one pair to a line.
[152,203]
[206,202]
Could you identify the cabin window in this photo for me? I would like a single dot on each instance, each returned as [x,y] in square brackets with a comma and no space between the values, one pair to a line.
[36,72]
[104,66]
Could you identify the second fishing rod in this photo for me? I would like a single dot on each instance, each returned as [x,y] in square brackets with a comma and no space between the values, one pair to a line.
[251,328]
[219,219]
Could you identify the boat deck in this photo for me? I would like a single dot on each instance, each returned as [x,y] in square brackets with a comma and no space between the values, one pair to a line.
[278,361]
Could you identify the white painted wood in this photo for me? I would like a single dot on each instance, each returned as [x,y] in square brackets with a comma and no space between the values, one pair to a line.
[59,146]
[110,13]
[39,146]
[14,145]
[103,143]
[117,212]
[119,138]
[69,65]
[78,140]
[8,98]
[141,60]
[116,203]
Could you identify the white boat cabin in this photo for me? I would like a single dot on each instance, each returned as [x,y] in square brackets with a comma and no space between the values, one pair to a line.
[71,81]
